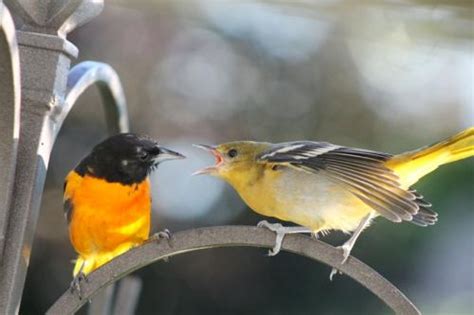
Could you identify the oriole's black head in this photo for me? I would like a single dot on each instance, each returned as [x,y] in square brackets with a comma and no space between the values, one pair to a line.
[125,158]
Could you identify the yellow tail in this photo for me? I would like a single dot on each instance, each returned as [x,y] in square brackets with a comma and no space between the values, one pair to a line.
[413,165]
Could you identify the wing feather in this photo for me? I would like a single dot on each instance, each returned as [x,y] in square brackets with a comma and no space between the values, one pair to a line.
[68,210]
[389,192]
[387,199]
[72,182]
[363,172]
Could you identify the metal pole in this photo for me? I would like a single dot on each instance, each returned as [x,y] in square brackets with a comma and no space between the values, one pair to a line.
[9,114]
[102,302]
[45,57]
[128,295]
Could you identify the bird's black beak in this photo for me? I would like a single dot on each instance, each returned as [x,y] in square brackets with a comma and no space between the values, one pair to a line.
[167,154]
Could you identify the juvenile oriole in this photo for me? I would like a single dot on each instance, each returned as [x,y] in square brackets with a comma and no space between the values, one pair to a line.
[107,199]
[321,186]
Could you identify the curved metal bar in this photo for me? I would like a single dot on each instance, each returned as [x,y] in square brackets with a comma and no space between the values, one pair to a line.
[88,73]
[10,90]
[230,236]
[80,78]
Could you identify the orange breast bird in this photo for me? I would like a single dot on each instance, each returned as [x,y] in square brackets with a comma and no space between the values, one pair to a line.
[107,199]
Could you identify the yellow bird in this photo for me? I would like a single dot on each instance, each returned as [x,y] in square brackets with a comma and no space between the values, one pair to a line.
[321,186]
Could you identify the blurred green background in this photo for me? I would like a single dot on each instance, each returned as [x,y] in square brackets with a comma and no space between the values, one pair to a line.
[384,75]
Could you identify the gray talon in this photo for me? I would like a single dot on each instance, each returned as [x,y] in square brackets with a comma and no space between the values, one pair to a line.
[333,272]
[165,234]
[349,244]
[75,286]
[281,231]
[346,252]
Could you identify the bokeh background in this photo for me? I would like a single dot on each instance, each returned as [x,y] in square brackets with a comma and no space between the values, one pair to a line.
[384,75]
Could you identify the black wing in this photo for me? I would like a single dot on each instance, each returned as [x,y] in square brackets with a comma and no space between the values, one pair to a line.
[362,171]
[67,205]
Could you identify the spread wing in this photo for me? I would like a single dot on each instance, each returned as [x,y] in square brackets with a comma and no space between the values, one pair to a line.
[362,171]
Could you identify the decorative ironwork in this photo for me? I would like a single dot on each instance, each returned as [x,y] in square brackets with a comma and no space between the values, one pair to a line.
[231,236]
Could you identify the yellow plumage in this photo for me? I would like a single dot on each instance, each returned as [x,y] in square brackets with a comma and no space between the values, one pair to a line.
[411,166]
[323,186]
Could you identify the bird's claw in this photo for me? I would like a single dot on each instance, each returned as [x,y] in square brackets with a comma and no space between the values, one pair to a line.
[275,227]
[75,286]
[346,252]
[280,234]
[334,271]
[165,234]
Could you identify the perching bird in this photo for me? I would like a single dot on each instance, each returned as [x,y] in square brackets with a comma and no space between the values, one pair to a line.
[321,186]
[107,199]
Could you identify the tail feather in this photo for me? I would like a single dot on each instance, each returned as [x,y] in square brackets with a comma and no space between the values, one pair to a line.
[411,166]
[424,217]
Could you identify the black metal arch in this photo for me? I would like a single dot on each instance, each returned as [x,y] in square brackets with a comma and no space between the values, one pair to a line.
[231,236]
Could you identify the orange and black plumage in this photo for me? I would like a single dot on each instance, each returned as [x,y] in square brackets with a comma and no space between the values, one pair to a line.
[107,200]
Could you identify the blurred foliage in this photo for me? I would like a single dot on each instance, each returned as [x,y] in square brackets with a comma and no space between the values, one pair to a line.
[384,75]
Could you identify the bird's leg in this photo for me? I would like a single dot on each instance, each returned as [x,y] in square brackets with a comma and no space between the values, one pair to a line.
[349,244]
[76,281]
[281,231]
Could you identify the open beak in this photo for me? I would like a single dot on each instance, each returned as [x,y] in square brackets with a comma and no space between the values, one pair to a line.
[167,154]
[210,169]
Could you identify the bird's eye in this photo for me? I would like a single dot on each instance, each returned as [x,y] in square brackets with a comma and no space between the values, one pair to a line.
[143,156]
[232,153]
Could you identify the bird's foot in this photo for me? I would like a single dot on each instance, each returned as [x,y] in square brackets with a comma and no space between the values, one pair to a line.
[165,234]
[75,286]
[346,252]
[280,234]
[162,235]
[281,231]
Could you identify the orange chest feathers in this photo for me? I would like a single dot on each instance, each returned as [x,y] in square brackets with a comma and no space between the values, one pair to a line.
[103,215]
